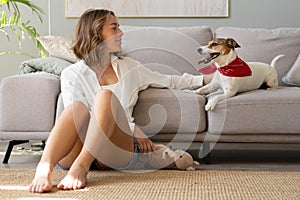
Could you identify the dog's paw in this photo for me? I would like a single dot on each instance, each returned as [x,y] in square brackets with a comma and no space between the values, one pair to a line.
[209,95]
[272,88]
[201,91]
[196,91]
[188,91]
[209,106]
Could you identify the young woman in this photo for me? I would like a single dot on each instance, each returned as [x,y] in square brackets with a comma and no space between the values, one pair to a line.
[96,128]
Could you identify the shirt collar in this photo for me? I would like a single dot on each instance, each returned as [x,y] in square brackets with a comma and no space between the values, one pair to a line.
[114,61]
[83,66]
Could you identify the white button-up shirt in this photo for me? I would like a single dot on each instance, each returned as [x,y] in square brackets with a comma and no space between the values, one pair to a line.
[80,83]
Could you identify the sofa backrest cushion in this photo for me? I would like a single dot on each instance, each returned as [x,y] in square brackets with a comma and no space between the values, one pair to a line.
[263,45]
[166,50]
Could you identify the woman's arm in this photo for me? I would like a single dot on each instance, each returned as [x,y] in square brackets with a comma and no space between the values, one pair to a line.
[156,79]
[71,89]
[207,78]
[145,144]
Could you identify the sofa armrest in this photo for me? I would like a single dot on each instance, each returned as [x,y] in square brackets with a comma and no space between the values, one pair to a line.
[28,102]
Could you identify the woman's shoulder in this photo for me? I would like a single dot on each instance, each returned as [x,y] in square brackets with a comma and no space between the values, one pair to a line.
[127,64]
[130,62]
[74,68]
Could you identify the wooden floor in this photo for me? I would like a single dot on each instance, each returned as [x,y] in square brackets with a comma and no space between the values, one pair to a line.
[270,157]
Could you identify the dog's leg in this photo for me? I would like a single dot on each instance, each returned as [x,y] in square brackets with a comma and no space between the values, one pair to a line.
[219,91]
[272,83]
[211,104]
[202,90]
[211,87]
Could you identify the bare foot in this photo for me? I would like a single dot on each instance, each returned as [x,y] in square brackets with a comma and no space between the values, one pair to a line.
[75,179]
[42,181]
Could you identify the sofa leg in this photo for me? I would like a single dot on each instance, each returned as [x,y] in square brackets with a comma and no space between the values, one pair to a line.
[11,145]
[206,152]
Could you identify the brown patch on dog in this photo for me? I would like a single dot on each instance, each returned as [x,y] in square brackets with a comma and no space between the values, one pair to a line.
[223,45]
[231,43]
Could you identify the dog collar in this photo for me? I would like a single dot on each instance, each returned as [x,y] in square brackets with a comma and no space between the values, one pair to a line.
[237,68]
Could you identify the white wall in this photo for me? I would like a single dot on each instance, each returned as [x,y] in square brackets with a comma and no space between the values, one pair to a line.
[243,13]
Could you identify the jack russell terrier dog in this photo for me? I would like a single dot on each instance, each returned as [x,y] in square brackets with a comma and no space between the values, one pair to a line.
[233,75]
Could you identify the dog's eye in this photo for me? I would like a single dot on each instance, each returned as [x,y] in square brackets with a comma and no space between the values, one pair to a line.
[214,44]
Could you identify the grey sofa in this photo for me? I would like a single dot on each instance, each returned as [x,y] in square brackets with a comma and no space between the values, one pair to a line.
[30,103]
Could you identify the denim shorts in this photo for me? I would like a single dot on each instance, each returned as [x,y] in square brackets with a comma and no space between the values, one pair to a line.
[131,165]
[96,166]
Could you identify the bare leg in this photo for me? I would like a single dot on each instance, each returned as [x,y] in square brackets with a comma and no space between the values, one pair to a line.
[108,137]
[63,142]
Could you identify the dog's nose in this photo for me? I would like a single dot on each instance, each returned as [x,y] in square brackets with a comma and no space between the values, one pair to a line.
[200,50]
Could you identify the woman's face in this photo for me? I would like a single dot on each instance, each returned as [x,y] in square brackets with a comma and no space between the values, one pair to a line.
[112,35]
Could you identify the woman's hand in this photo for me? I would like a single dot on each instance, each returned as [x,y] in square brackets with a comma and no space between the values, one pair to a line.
[207,78]
[145,144]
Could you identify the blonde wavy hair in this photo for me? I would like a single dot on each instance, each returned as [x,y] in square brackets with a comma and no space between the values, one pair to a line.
[88,40]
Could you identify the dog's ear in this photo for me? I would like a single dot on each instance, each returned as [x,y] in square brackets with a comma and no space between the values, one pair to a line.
[231,43]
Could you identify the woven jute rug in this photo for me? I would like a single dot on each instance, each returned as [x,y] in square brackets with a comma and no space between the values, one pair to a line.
[161,184]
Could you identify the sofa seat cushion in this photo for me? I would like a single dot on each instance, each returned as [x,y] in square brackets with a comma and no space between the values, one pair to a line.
[258,111]
[170,111]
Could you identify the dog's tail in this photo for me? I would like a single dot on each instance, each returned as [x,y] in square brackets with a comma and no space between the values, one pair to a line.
[274,61]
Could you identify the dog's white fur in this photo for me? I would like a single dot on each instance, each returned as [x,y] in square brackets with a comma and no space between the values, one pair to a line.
[261,73]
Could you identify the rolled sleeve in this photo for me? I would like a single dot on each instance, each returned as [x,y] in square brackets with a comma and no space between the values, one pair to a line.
[132,127]
[71,89]
[193,80]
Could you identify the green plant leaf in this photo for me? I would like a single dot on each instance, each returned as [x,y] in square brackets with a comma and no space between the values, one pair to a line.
[15,52]
[35,9]
[19,28]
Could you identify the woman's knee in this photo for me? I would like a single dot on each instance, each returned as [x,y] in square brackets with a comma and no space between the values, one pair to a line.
[105,111]
[105,99]
[79,112]
[104,94]
[76,107]
[76,117]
